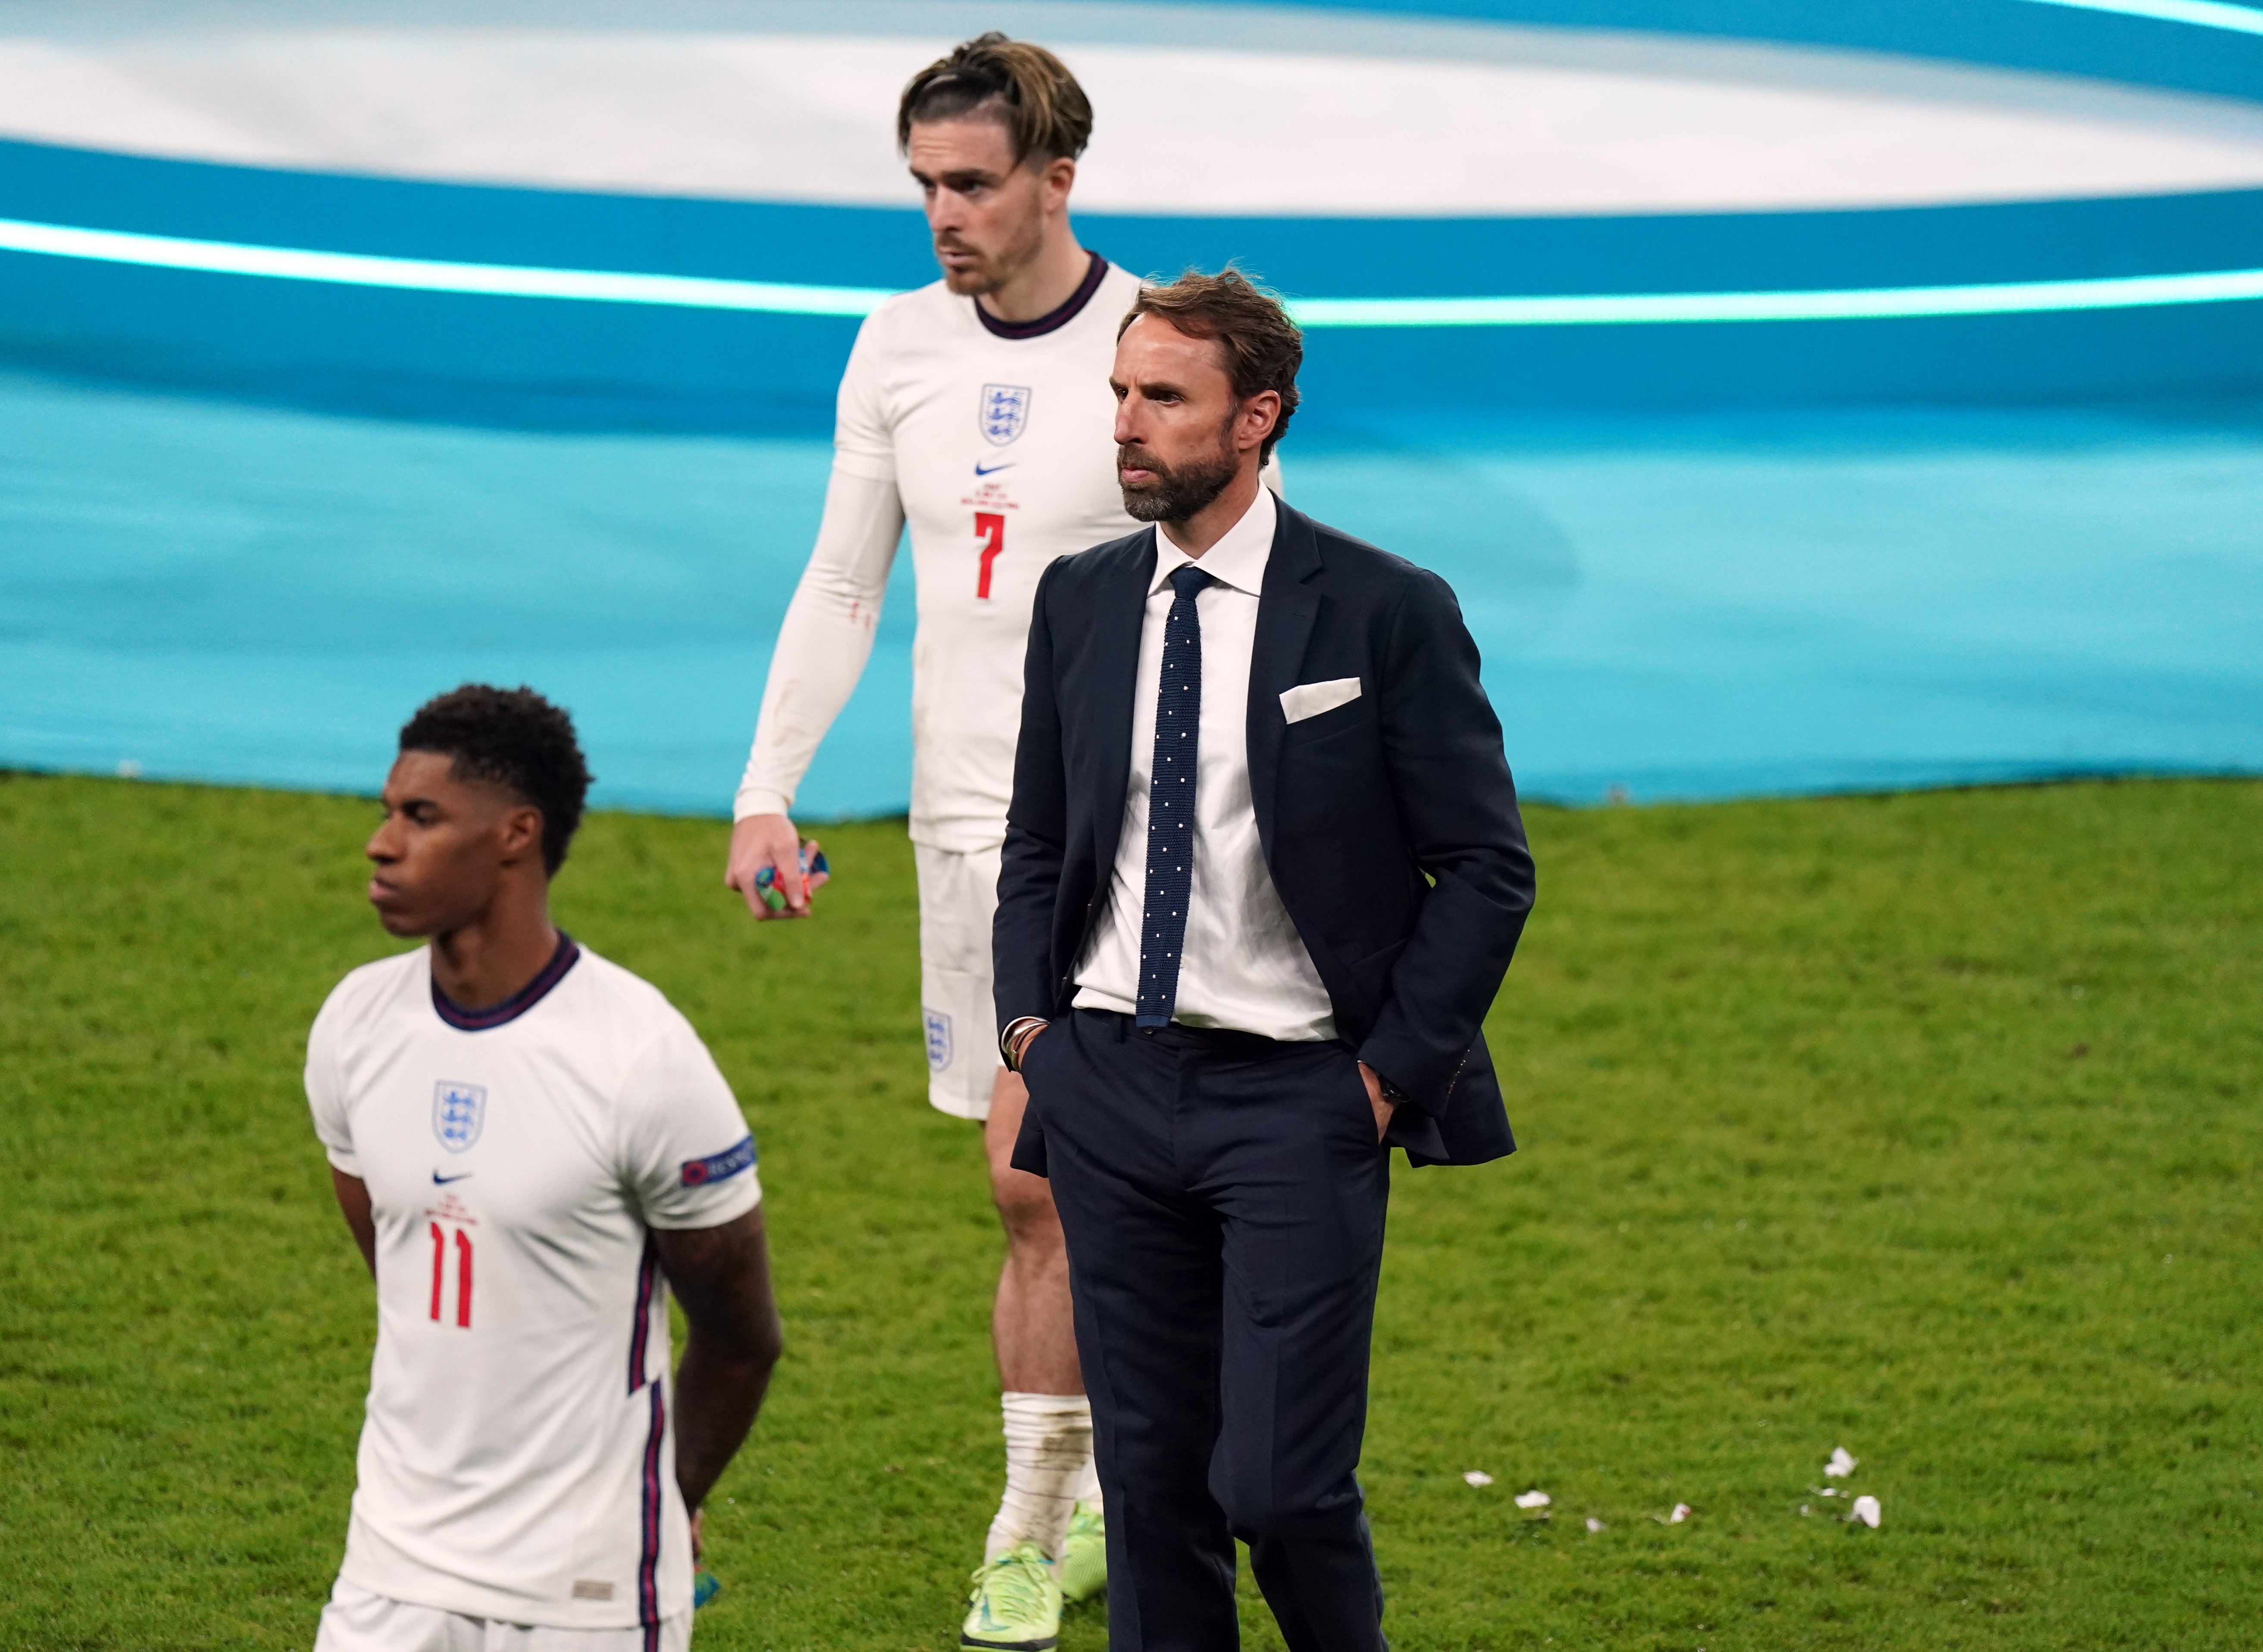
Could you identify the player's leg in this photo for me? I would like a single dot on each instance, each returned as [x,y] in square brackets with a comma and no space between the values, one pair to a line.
[1017,1599]
[1046,1421]
[1032,1324]
[1033,1329]
[1052,1497]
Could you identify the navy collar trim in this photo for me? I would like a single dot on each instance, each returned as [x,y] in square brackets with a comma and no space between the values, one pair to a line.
[480,1021]
[1052,320]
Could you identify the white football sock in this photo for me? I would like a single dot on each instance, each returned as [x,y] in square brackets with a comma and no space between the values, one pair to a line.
[1048,1456]
[1087,1484]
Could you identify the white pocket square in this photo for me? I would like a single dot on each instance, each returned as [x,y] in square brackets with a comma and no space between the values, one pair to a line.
[1310,699]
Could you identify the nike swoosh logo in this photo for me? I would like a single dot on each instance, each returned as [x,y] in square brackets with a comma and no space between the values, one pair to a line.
[438,1180]
[992,470]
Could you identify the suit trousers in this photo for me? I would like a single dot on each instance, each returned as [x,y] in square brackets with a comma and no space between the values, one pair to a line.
[1223,1196]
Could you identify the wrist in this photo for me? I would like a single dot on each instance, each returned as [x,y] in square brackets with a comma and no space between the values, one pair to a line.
[755,800]
[1017,1037]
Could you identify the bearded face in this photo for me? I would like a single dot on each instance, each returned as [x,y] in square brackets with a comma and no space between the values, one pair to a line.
[1155,490]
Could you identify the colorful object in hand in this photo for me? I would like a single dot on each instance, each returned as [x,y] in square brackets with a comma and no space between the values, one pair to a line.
[815,873]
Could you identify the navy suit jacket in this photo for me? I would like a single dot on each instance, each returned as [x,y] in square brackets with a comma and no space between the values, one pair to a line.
[1389,824]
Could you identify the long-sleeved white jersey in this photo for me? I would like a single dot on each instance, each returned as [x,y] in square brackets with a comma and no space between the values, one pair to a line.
[996,442]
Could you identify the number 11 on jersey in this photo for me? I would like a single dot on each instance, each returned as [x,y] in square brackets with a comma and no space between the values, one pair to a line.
[990,531]
[463,1273]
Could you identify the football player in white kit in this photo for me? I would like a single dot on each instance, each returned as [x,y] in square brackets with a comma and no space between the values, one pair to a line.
[976,409]
[531,1148]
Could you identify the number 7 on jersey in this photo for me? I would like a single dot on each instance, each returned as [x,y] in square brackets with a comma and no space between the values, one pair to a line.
[990,531]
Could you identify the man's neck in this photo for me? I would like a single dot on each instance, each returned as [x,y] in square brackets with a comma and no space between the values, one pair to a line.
[1045,282]
[495,957]
[1212,523]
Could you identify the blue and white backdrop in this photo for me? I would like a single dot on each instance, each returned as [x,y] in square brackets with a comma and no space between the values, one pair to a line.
[1801,396]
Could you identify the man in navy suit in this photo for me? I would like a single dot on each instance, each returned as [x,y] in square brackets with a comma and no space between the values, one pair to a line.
[1263,874]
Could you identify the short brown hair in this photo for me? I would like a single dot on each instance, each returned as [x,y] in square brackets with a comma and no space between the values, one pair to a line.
[1025,87]
[1263,347]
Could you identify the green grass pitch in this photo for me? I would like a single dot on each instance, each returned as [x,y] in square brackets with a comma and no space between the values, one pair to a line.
[1926,1125]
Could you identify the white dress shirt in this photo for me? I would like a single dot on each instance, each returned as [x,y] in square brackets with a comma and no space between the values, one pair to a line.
[1243,965]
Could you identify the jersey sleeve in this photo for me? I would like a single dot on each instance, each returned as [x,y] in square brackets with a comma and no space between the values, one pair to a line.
[687,1157]
[824,641]
[326,1089]
[863,441]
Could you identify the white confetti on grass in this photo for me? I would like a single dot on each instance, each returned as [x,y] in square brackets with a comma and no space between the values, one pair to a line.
[1866,1511]
[1533,1499]
[1478,1478]
[1681,1512]
[1593,1525]
[1841,1465]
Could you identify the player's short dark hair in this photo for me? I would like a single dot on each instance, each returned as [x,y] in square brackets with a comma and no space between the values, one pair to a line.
[515,739]
[1023,87]
[1263,347]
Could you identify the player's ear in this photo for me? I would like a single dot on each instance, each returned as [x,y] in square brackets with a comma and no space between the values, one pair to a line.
[522,833]
[1058,177]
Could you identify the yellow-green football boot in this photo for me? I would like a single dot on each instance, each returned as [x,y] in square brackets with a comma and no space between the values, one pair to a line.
[1084,1557]
[1016,1604]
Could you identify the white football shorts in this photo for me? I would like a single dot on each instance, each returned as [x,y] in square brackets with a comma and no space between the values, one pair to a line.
[355,1621]
[957,896]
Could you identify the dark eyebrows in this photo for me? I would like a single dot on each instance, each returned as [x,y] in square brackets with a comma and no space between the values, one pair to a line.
[960,181]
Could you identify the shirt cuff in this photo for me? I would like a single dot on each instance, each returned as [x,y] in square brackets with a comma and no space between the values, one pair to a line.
[752,800]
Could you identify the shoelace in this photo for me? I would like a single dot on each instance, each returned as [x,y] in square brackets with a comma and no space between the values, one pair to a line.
[1015,1580]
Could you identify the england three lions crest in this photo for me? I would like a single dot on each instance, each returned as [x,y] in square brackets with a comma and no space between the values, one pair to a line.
[1004,414]
[460,1112]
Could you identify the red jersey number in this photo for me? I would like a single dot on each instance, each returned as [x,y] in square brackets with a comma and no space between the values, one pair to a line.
[990,529]
[463,1274]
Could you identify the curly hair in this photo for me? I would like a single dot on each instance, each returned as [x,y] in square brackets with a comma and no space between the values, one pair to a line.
[1024,86]
[1263,347]
[515,739]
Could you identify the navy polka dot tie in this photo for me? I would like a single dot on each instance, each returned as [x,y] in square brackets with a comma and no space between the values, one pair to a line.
[1171,802]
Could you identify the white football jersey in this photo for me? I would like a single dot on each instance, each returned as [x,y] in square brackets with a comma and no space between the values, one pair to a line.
[1001,442]
[518,1456]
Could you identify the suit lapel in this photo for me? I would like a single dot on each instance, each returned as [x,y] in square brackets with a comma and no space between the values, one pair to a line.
[1119,609]
[1286,607]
